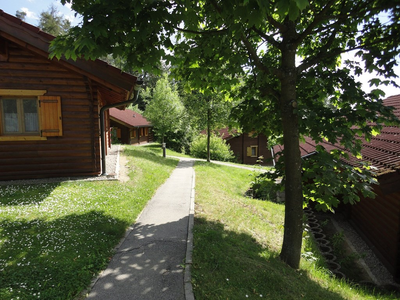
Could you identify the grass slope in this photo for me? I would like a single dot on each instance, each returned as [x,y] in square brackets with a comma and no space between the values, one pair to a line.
[237,242]
[55,237]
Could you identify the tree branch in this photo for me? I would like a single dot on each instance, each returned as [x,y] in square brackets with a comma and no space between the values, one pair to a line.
[255,58]
[266,37]
[275,23]
[318,18]
[216,31]
[318,58]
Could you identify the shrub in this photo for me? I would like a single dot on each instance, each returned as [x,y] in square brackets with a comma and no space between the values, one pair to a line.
[219,150]
[263,188]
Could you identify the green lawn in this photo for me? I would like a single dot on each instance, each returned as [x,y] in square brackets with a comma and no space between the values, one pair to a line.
[54,238]
[237,242]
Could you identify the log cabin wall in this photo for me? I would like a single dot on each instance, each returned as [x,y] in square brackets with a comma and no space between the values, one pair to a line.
[241,147]
[77,151]
[378,221]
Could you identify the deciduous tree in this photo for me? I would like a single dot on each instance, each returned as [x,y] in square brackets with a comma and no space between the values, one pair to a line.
[164,107]
[288,50]
[20,14]
[53,23]
[208,111]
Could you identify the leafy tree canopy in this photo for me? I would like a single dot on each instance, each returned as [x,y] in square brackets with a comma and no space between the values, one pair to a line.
[53,23]
[164,107]
[287,51]
[20,14]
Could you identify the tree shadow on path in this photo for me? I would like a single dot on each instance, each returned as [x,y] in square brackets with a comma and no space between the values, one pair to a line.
[149,264]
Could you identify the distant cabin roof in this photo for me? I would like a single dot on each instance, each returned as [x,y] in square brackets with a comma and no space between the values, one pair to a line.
[129,118]
[382,152]
[224,133]
[115,85]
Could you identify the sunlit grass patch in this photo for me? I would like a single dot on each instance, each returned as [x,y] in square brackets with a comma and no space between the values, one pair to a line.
[237,241]
[55,237]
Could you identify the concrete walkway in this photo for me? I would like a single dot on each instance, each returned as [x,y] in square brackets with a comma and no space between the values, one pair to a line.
[153,261]
[239,166]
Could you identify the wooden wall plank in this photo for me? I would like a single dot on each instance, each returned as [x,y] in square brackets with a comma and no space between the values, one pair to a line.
[378,220]
[72,154]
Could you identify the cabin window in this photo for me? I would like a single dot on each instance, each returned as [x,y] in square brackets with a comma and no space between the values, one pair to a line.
[252,151]
[28,115]
[146,131]
[20,116]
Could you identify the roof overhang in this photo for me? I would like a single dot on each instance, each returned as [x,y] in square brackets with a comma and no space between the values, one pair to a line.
[120,84]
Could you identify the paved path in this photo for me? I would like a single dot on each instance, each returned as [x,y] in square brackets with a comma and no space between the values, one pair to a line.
[150,262]
[246,167]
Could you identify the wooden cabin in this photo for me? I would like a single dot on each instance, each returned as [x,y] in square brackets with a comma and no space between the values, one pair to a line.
[376,220]
[129,127]
[248,148]
[49,109]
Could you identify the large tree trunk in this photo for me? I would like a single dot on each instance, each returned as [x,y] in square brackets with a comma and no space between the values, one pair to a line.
[293,227]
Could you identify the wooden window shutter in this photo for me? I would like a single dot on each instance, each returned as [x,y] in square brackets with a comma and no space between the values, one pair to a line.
[248,151]
[254,151]
[50,115]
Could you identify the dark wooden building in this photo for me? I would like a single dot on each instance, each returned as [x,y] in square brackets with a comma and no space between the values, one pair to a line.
[130,127]
[377,220]
[248,148]
[49,109]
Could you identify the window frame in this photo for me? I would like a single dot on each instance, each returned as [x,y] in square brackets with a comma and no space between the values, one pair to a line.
[250,151]
[49,115]
[21,117]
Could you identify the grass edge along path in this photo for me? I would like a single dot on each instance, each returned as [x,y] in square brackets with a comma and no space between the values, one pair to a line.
[55,238]
[237,242]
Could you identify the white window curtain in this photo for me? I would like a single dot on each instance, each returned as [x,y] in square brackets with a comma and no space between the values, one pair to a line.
[11,122]
[31,119]
[31,122]
[10,115]
[20,115]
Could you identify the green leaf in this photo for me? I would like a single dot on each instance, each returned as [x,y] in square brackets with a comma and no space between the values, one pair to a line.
[302,4]
[283,7]
[294,11]
[375,131]
[375,81]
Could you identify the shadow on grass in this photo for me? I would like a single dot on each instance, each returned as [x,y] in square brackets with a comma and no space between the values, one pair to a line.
[231,265]
[29,194]
[55,259]
[154,148]
[134,151]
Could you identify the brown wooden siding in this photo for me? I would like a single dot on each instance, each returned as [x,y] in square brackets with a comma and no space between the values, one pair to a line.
[77,152]
[240,144]
[126,134]
[379,220]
